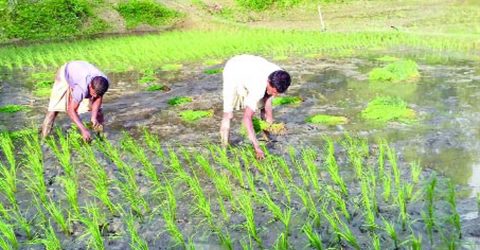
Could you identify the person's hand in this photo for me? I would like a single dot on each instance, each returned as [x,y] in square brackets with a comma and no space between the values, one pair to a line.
[86,135]
[259,154]
[97,125]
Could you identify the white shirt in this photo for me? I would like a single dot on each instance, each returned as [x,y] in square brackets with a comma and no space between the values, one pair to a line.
[247,76]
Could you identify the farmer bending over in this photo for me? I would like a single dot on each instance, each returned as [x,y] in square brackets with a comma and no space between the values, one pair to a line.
[250,82]
[74,82]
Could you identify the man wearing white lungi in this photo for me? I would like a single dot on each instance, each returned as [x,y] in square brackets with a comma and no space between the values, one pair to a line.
[79,87]
[250,82]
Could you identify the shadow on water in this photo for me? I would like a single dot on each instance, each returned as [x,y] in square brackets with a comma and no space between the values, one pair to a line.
[446,98]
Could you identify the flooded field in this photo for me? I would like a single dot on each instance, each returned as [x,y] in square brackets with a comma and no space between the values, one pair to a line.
[444,138]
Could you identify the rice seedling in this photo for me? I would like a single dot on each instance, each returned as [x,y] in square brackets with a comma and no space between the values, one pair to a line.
[57,215]
[99,178]
[309,157]
[285,168]
[346,234]
[280,184]
[455,217]
[202,203]
[401,201]
[314,239]
[376,242]
[385,109]
[416,170]
[332,168]
[286,100]
[223,210]
[303,174]
[392,158]
[429,217]
[136,241]
[251,182]
[50,240]
[416,242]
[173,229]
[387,187]
[23,223]
[390,230]
[381,159]
[339,201]
[332,222]
[92,224]
[399,70]
[245,206]
[367,205]
[129,144]
[34,165]
[225,239]
[71,192]
[4,213]
[153,144]
[8,183]
[11,108]
[62,152]
[171,200]
[179,100]
[9,239]
[372,180]
[307,201]
[128,185]
[149,76]
[283,216]
[195,115]
[282,242]
[329,120]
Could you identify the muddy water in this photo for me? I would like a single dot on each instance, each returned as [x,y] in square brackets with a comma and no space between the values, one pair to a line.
[446,98]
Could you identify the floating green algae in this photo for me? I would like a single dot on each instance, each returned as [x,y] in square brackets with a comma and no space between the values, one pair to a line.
[329,120]
[194,115]
[11,108]
[387,108]
[284,100]
[396,71]
[179,100]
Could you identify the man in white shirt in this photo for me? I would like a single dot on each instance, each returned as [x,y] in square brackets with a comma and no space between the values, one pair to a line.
[250,82]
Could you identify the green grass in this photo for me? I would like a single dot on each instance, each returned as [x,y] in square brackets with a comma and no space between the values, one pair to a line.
[138,12]
[172,48]
[329,120]
[195,115]
[12,108]
[286,100]
[384,109]
[171,67]
[400,70]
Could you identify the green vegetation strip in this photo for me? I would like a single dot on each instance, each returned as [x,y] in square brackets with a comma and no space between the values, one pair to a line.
[327,119]
[384,109]
[122,53]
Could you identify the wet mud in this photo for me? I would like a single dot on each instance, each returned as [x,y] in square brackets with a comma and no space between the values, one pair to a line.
[445,136]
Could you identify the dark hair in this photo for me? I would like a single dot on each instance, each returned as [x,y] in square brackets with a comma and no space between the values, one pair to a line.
[280,80]
[100,85]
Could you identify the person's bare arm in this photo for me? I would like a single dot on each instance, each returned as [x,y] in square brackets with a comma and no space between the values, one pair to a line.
[72,108]
[96,104]
[268,110]
[248,123]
